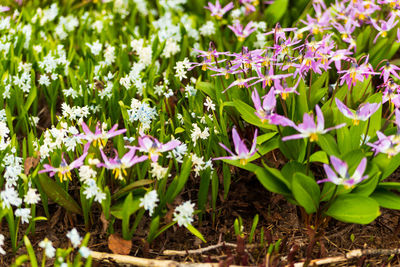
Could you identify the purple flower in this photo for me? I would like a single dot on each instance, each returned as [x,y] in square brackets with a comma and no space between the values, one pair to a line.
[4,8]
[385,27]
[241,33]
[284,91]
[217,10]
[152,146]
[118,165]
[311,129]
[386,144]
[64,170]
[279,32]
[266,111]
[268,78]
[341,176]
[355,73]
[362,114]
[99,135]
[242,152]
[389,69]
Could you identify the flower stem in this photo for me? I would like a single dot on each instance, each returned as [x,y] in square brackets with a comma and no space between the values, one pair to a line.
[366,132]
[308,156]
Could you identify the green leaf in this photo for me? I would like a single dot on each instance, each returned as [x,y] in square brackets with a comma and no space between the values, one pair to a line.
[31,252]
[387,199]
[352,208]
[275,11]
[207,88]
[130,187]
[195,232]
[248,114]
[328,144]
[319,156]
[58,194]
[306,192]
[271,183]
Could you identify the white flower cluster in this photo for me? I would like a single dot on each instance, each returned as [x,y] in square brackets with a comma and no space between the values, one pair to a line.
[134,78]
[181,68]
[75,112]
[50,63]
[158,171]
[57,138]
[208,29]
[87,175]
[197,134]
[23,81]
[149,201]
[142,112]
[183,214]
[178,152]
[4,131]
[144,52]
[199,164]
[68,24]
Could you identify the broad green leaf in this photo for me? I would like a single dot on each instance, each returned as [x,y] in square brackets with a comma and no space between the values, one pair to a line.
[319,156]
[58,194]
[271,183]
[352,208]
[275,11]
[387,199]
[328,144]
[306,192]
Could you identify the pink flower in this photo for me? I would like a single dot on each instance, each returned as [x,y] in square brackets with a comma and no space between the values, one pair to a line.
[118,165]
[311,129]
[241,33]
[152,146]
[242,152]
[217,10]
[64,170]
[341,176]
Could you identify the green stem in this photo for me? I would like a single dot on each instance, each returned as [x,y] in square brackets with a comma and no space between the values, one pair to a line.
[308,156]
[366,132]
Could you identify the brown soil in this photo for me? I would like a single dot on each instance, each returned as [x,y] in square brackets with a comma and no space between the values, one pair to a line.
[247,197]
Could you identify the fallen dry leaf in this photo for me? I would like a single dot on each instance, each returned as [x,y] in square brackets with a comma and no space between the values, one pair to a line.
[118,245]
[104,222]
[30,162]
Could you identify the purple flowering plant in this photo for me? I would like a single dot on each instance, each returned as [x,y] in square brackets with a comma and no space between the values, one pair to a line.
[102,115]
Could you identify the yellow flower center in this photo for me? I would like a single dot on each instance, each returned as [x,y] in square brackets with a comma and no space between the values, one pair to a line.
[285,95]
[243,161]
[356,122]
[313,137]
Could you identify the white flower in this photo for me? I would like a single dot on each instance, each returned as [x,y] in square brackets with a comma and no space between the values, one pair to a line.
[86,173]
[183,214]
[207,29]
[95,48]
[49,250]
[25,214]
[74,237]
[209,104]
[149,201]
[158,171]
[31,196]
[44,80]
[10,197]
[2,251]
[85,251]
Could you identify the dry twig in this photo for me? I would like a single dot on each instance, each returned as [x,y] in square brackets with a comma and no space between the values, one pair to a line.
[351,255]
[136,261]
